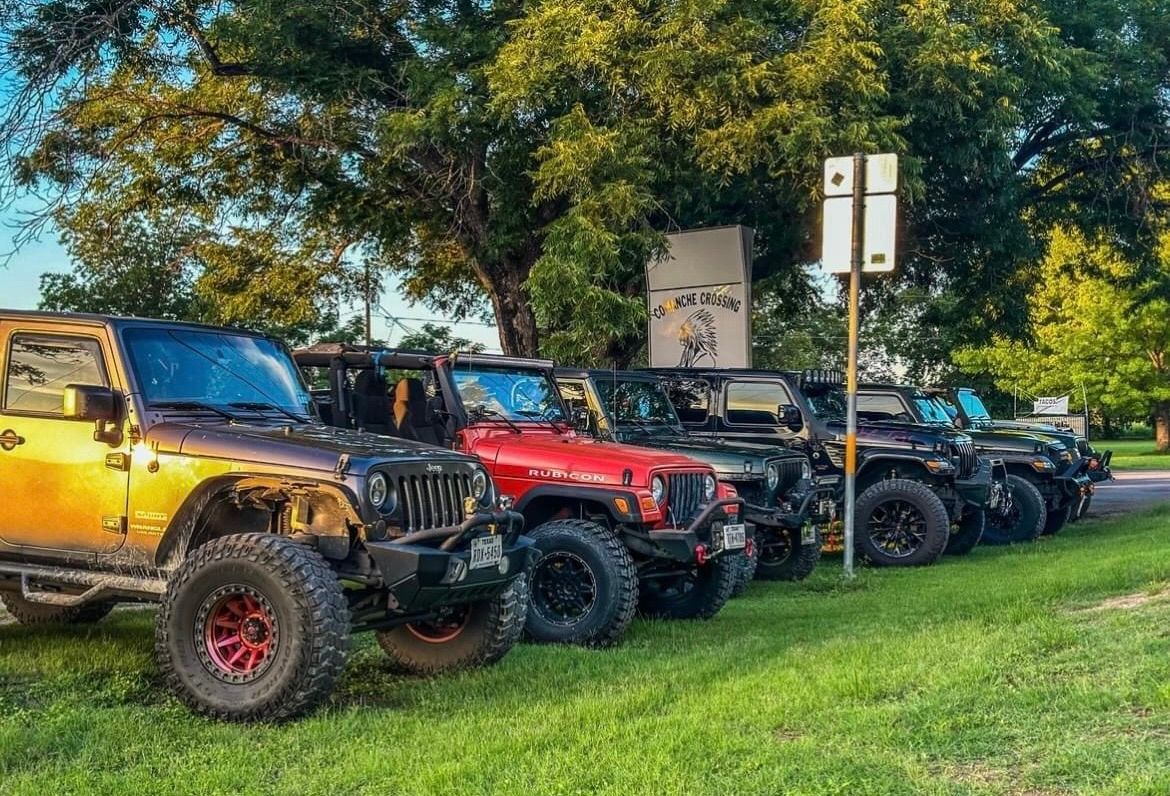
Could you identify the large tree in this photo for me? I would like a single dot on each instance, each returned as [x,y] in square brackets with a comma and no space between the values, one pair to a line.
[1099,321]
[533,152]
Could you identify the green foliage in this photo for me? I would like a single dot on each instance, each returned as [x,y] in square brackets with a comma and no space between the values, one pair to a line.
[526,157]
[1098,318]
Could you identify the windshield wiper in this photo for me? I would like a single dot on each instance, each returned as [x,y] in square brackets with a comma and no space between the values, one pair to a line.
[483,411]
[538,417]
[262,406]
[193,405]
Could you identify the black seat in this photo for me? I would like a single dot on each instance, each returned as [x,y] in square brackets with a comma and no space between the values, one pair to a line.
[371,403]
[413,416]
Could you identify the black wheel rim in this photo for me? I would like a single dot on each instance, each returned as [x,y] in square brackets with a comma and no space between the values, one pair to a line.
[775,547]
[564,589]
[897,528]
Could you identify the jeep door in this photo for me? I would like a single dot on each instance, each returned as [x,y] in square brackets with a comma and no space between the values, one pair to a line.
[64,493]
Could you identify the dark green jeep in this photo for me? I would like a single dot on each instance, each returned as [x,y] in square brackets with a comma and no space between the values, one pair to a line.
[781,495]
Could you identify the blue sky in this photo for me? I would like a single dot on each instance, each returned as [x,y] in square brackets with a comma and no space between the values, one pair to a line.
[20,279]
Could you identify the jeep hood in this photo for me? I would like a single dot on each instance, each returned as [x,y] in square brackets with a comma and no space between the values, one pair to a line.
[306,446]
[899,434]
[552,457]
[1008,440]
[726,457]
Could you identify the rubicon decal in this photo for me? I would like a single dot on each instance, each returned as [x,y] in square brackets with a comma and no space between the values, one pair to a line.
[592,478]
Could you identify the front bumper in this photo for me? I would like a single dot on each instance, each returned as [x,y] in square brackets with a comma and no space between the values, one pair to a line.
[806,502]
[987,487]
[432,568]
[706,530]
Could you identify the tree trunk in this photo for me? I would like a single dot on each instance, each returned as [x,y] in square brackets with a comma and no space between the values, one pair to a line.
[1162,427]
[504,283]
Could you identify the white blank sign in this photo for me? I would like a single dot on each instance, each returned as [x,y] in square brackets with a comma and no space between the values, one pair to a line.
[881,232]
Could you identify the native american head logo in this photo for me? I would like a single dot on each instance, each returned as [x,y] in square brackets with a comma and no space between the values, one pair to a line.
[698,339]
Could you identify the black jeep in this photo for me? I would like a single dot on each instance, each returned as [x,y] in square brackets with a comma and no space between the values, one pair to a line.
[922,491]
[967,410]
[782,498]
[1049,482]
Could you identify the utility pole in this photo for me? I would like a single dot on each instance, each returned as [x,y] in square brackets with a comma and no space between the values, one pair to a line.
[856,261]
[369,300]
[859,235]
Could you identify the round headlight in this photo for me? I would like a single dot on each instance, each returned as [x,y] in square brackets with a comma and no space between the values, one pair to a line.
[773,476]
[377,490]
[479,484]
[657,489]
[805,470]
[709,487]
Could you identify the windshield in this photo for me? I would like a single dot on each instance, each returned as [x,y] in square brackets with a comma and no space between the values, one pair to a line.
[828,404]
[973,405]
[510,393]
[931,410]
[636,402]
[219,369]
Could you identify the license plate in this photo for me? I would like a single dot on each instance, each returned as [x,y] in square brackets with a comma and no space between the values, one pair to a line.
[734,537]
[486,551]
[808,534]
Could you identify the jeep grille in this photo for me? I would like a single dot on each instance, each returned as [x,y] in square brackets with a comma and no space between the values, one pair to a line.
[684,495]
[789,474]
[966,458]
[432,501]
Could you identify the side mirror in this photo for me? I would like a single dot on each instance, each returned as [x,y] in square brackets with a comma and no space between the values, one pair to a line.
[83,402]
[96,404]
[790,417]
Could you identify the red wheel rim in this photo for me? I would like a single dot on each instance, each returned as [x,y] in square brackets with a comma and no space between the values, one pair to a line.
[446,627]
[239,633]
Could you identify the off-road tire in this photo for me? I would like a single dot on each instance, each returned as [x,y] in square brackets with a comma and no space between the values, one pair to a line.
[491,628]
[930,511]
[1028,512]
[800,562]
[599,551]
[30,613]
[698,595]
[310,621]
[1056,519]
[966,533]
[746,572]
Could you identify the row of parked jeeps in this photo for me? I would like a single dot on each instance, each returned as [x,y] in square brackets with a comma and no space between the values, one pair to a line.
[453,503]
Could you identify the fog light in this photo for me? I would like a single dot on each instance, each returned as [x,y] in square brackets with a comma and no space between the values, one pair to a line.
[504,565]
[749,548]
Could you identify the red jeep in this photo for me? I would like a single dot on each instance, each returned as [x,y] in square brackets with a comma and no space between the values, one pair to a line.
[619,527]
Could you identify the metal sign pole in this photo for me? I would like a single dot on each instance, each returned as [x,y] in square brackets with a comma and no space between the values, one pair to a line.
[856,261]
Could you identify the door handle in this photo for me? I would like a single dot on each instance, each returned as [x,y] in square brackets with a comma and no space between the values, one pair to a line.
[9,439]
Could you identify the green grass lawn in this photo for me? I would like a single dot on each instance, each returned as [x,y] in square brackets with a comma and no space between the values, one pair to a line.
[1012,671]
[1134,454]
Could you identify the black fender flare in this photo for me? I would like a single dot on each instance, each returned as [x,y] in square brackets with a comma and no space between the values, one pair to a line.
[591,494]
[868,461]
[185,524]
